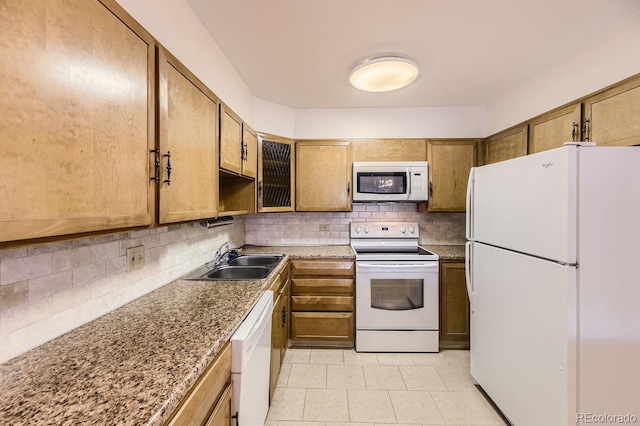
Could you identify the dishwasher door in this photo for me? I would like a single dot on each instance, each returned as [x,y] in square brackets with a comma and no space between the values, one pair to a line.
[250,363]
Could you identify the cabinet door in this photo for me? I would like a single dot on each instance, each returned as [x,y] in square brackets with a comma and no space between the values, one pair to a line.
[188,160]
[449,164]
[390,150]
[613,115]
[77,120]
[323,176]
[554,128]
[250,162]
[505,145]
[230,140]
[286,328]
[276,177]
[222,412]
[276,343]
[454,306]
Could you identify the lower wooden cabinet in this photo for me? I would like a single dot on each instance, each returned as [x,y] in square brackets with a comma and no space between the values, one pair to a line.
[322,303]
[209,402]
[280,319]
[454,306]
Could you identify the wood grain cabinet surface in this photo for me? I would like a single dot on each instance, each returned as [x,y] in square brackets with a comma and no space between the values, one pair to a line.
[323,175]
[454,306]
[552,129]
[78,119]
[449,164]
[505,145]
[280,320]
[188,117]
[210,399]
[238,145]
[322,303]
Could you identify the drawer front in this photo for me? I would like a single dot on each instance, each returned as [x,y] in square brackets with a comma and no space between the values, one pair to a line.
[280,280]
[345,268]
[322,303]
[339,286]
[221,414]
[196,406]
[322,326]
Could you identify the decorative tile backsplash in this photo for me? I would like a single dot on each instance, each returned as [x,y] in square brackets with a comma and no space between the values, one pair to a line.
[49,289]
[304,228]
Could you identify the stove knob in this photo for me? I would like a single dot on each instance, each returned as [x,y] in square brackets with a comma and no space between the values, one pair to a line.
[358,229]
[366,230]
[412,229]
[403,229]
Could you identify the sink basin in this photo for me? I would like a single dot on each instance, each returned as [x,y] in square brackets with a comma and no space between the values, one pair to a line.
[245,267]
[238,273]
[255,260]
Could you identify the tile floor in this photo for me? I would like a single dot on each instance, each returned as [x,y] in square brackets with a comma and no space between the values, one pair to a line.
[326,387]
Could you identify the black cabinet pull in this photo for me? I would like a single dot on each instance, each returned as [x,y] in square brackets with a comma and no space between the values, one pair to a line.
[156,164]
[168,179]
[585,129]
[574,132]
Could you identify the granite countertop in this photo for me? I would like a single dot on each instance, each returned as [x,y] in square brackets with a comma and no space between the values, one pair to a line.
[447,252]
[133,365]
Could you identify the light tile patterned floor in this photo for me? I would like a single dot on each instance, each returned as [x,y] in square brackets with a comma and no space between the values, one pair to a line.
[327,387]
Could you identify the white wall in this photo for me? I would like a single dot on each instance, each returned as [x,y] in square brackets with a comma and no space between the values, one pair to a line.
[274,118]
[390,123]
[610,57]
[174,24]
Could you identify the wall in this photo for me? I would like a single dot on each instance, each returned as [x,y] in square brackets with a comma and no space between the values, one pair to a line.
[47,290]
[303,228]
[174,24]
[274,118]
[605,60]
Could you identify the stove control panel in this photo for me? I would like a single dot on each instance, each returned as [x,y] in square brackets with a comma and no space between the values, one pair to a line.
[385,230]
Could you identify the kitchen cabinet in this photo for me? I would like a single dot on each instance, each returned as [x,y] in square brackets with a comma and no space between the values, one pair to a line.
[449,164]
[323,175]
[238,145]
[454,306]
[389,150]
[505,145]
[78,119]
[210,400]
[276,174]
[279,325]
[322,303]
[187,169]
[552,129]
[611,116]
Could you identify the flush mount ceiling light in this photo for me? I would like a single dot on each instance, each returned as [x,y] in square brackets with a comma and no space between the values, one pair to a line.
[383,74]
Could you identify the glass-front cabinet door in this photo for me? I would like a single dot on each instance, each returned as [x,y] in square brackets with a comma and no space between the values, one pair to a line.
[276,176]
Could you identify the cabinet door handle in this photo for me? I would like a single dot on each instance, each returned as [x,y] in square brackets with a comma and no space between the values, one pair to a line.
[585,129]
[348,188]
[430,189]
[156,164]
[284,317]
[574,132]
[169,168]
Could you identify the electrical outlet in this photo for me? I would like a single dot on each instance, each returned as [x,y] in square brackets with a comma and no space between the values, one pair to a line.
[135,258]
[325,227]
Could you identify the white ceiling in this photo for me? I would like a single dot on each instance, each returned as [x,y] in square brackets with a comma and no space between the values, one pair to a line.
[298,53]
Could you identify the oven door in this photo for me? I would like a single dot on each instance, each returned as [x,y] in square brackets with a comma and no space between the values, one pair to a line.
[396,295]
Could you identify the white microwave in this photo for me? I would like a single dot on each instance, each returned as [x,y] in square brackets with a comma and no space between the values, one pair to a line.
[390,181]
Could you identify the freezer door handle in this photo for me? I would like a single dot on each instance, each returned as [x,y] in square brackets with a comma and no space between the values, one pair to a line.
[470,183]
[467,269]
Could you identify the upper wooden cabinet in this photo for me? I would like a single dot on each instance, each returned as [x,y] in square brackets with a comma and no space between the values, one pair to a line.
[323,175]
[389,150]
[188,172]
[611,117]
[449,164]
[276,174]
[554,128]
[238,145]
[505,145]
[77,121]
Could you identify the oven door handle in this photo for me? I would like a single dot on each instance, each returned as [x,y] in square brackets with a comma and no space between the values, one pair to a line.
[396,266]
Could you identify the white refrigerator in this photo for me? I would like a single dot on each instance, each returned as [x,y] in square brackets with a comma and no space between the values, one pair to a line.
[553,276]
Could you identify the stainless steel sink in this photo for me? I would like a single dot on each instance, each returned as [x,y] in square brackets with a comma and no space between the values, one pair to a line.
[245,267]
[255,260]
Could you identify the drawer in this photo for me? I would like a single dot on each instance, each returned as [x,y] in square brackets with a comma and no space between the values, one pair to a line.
[194,408]
[322,326]
[339,286]
[322,303]
[221,414]
[301,267]
[280,280]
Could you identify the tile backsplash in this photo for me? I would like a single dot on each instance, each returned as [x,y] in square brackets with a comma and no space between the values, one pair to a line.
[49,289]
[304,228]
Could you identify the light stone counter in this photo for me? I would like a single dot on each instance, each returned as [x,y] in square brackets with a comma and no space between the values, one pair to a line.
[444,252]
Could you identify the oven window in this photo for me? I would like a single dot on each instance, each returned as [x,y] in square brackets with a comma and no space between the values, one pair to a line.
[381,182]
[397,294]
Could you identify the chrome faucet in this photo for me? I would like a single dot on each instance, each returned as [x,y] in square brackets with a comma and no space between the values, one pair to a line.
[221,254]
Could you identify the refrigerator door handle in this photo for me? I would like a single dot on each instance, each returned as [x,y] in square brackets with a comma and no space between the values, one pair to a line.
[467,269]
[470,184]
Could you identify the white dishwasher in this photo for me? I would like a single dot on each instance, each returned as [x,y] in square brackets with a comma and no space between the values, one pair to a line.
[250,363]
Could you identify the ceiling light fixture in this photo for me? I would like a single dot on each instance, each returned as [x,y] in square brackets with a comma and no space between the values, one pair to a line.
[383,74]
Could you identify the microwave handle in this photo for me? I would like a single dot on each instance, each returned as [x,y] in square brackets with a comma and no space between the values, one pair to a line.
[409,184]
